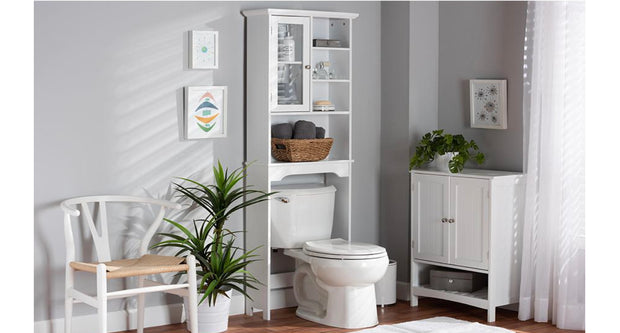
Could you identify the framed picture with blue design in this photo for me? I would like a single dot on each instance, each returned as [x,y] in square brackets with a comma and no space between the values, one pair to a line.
[487,100]
[203,48]
[205,112]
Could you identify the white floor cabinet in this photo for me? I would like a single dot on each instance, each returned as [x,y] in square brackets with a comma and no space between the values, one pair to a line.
[468,221]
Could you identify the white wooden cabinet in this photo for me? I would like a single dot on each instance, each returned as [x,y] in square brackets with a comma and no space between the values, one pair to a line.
[282,89]
[468,221]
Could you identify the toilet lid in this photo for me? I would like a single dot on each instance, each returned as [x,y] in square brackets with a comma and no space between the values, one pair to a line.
[342,248]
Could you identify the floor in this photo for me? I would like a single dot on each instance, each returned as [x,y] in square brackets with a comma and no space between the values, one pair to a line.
[284,320]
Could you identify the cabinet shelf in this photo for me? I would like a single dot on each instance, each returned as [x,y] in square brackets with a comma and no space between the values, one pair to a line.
[289,62]
[331,48]
[332,80]
[477,298]
[279,170]
[310,113]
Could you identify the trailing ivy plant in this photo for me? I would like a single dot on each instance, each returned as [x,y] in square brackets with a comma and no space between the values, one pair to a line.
[436,142]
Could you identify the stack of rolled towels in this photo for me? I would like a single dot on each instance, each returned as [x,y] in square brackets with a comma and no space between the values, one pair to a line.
[301,130]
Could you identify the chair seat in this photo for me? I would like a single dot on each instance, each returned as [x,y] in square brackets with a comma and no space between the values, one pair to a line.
[145,265]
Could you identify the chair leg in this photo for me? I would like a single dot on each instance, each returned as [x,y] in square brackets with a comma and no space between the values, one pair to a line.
[102,299]
[192,293]
[68,298]
[140,306]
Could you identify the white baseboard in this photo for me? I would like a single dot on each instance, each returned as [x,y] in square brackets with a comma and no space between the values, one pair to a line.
[126,319]
[402,291]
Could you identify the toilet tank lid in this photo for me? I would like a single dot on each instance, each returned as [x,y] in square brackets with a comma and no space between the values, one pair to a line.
[342,247]
[303,189]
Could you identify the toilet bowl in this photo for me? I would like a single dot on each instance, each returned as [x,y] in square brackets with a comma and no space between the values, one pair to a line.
[334,278]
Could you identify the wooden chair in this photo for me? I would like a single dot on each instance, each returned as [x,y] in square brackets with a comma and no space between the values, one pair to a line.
[106,268]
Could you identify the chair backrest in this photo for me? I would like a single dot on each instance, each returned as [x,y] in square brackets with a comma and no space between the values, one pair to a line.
[79,206]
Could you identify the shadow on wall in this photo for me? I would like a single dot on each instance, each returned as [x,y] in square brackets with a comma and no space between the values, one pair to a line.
[146,150]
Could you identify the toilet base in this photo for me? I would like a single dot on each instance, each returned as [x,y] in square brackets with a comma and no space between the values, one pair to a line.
[347,307]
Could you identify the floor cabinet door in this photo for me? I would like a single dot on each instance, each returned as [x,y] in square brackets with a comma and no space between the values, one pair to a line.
[429,210]
[469,222]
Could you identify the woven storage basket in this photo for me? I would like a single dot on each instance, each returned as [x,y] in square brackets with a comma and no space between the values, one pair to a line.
[300,150]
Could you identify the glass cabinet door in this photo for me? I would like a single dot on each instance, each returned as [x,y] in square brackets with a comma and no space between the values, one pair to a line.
[290,53]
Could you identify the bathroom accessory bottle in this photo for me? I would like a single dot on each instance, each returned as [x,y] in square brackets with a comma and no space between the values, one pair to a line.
[286,48]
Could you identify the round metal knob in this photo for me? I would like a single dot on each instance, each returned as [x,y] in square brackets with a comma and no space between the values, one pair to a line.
[451,221]
[307,67]
[444,220]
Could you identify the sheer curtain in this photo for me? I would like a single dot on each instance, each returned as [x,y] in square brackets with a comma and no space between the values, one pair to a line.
[553,263]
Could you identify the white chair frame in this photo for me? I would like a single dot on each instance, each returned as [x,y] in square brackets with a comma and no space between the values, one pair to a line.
[102,247]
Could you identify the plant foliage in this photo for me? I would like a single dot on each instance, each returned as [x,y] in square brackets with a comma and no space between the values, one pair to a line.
[221,266]
[436,142]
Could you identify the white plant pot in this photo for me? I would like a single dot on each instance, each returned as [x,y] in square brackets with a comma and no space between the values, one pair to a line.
[211,319]
[441,161]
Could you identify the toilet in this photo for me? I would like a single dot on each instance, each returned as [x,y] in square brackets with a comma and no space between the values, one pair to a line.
[334,280]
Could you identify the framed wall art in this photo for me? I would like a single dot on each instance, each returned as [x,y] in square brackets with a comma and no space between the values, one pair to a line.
[203,48]
[205,112]
[488,104]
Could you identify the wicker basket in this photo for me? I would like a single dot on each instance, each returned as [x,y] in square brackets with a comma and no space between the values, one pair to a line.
[300,150]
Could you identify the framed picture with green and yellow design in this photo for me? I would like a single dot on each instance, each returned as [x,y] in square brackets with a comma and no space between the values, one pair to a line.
[205,112]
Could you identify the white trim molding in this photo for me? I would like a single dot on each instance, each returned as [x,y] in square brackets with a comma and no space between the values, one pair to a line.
[126,319]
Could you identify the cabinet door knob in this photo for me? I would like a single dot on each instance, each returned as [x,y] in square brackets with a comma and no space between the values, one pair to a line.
[307,67]
[444,220]
[451,221]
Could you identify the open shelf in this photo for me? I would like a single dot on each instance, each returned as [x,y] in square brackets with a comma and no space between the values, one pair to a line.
[477,298]
[279,170]
[311,113]
[331,80]
[331,48]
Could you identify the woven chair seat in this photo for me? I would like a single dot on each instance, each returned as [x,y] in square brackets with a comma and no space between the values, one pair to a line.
[145,265]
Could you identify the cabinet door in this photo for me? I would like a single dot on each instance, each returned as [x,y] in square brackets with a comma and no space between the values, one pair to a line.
[469,227]
[429,205]
[290,60]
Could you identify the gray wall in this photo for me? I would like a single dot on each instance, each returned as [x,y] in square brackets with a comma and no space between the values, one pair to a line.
[108,98]
[483,40]
[442,45]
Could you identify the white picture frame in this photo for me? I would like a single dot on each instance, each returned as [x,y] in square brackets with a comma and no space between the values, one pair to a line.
[203,49]
[206,114]
[488,108]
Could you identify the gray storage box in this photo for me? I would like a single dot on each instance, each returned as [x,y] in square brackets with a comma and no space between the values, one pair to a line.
[457,280]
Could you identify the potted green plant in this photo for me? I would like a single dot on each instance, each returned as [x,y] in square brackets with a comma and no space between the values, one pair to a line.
[450,152]
[222,264]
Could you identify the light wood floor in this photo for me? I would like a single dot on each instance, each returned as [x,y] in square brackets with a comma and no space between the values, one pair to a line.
[284,320]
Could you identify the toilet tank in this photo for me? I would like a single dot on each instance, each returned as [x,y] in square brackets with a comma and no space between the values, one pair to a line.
[301,213]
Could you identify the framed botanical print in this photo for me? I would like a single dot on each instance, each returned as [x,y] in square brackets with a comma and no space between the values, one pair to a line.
[488,104]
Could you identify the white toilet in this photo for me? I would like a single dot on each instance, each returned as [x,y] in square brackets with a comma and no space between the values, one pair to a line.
[334,279]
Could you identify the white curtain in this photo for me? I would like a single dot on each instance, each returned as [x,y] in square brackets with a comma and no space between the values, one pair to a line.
[553,263]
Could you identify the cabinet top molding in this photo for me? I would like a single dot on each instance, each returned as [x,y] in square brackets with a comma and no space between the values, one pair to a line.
[295,12]
[471,173]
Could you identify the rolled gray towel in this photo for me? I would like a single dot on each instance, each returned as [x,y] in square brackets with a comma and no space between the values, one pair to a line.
[304,130]
[282,131]
[320,133]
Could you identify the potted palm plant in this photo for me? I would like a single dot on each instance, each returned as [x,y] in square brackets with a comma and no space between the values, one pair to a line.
[448,151]
[222,264]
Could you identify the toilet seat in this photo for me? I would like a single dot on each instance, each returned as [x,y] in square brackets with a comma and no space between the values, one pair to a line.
[341,249]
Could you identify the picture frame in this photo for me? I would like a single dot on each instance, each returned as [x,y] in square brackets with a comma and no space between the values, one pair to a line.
[488,108]
[206,114]
[203,49]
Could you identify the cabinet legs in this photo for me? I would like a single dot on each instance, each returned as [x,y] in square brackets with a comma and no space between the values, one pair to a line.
[414,300]
[491,314]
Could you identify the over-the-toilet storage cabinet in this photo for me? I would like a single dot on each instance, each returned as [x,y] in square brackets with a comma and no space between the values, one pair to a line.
[282,89]
[467,221]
